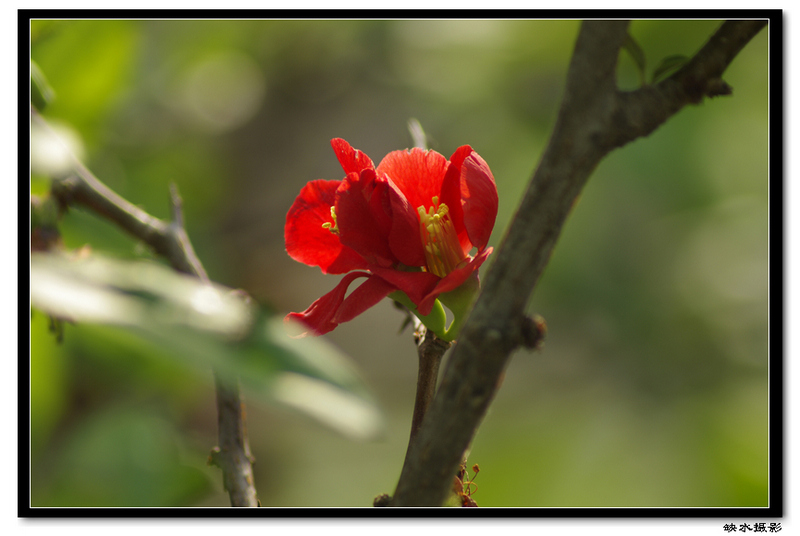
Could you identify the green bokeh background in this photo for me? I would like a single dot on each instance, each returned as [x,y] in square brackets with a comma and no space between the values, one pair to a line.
[651,389]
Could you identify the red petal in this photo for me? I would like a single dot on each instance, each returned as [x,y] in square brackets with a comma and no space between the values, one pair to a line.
[310,243]
[352,160]
[380,206]
[320,315]
[404,237]
[416,285]
[479,199]
[416,173]
[451,195]
[357,226]
[369,293]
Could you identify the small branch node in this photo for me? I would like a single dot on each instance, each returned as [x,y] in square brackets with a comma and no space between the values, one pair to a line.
[533,331]
[213,458]
[717,87]
[384,499]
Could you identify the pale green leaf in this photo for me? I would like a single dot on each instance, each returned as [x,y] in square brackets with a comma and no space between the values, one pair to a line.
[207,325]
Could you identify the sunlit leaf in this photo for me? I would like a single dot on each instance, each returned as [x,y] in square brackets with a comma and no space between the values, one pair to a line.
[207,325]
[341,409]
[139,294]
[54,148]
[312,356]
[307,375]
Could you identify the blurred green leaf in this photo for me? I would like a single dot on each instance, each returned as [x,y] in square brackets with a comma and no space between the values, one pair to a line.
[41,92]
[636,52]
[48,382]
[88,63]
[318,379]
[206,325]
[123,457]
[137,294]
[669,65]
[307,375]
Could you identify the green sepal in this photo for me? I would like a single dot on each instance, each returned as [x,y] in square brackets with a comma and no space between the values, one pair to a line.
[436,321]
[460,301]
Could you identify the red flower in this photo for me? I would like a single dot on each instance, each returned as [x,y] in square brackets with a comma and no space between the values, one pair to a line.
[408,225]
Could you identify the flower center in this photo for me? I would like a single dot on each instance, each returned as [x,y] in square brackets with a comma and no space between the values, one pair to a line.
[332,227]
[442,250]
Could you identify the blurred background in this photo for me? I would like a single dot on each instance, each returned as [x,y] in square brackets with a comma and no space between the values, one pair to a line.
[651,389]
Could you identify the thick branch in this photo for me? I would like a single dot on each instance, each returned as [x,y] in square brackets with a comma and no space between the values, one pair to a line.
[593,120]
[169,240]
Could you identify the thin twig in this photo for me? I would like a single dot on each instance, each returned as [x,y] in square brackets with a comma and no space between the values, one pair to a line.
[82,189]
[595,117]
[233,455]
[430,350]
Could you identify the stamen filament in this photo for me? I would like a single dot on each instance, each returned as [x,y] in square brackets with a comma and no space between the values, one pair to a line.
[439,239]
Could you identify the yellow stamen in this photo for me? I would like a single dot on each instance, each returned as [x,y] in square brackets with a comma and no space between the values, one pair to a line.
[439,239]
[332,227]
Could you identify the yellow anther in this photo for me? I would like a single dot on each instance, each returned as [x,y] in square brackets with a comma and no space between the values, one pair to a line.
[442,248]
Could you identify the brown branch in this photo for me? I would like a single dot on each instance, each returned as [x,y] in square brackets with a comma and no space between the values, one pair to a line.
[81,188]
[594,118]
[640,112]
